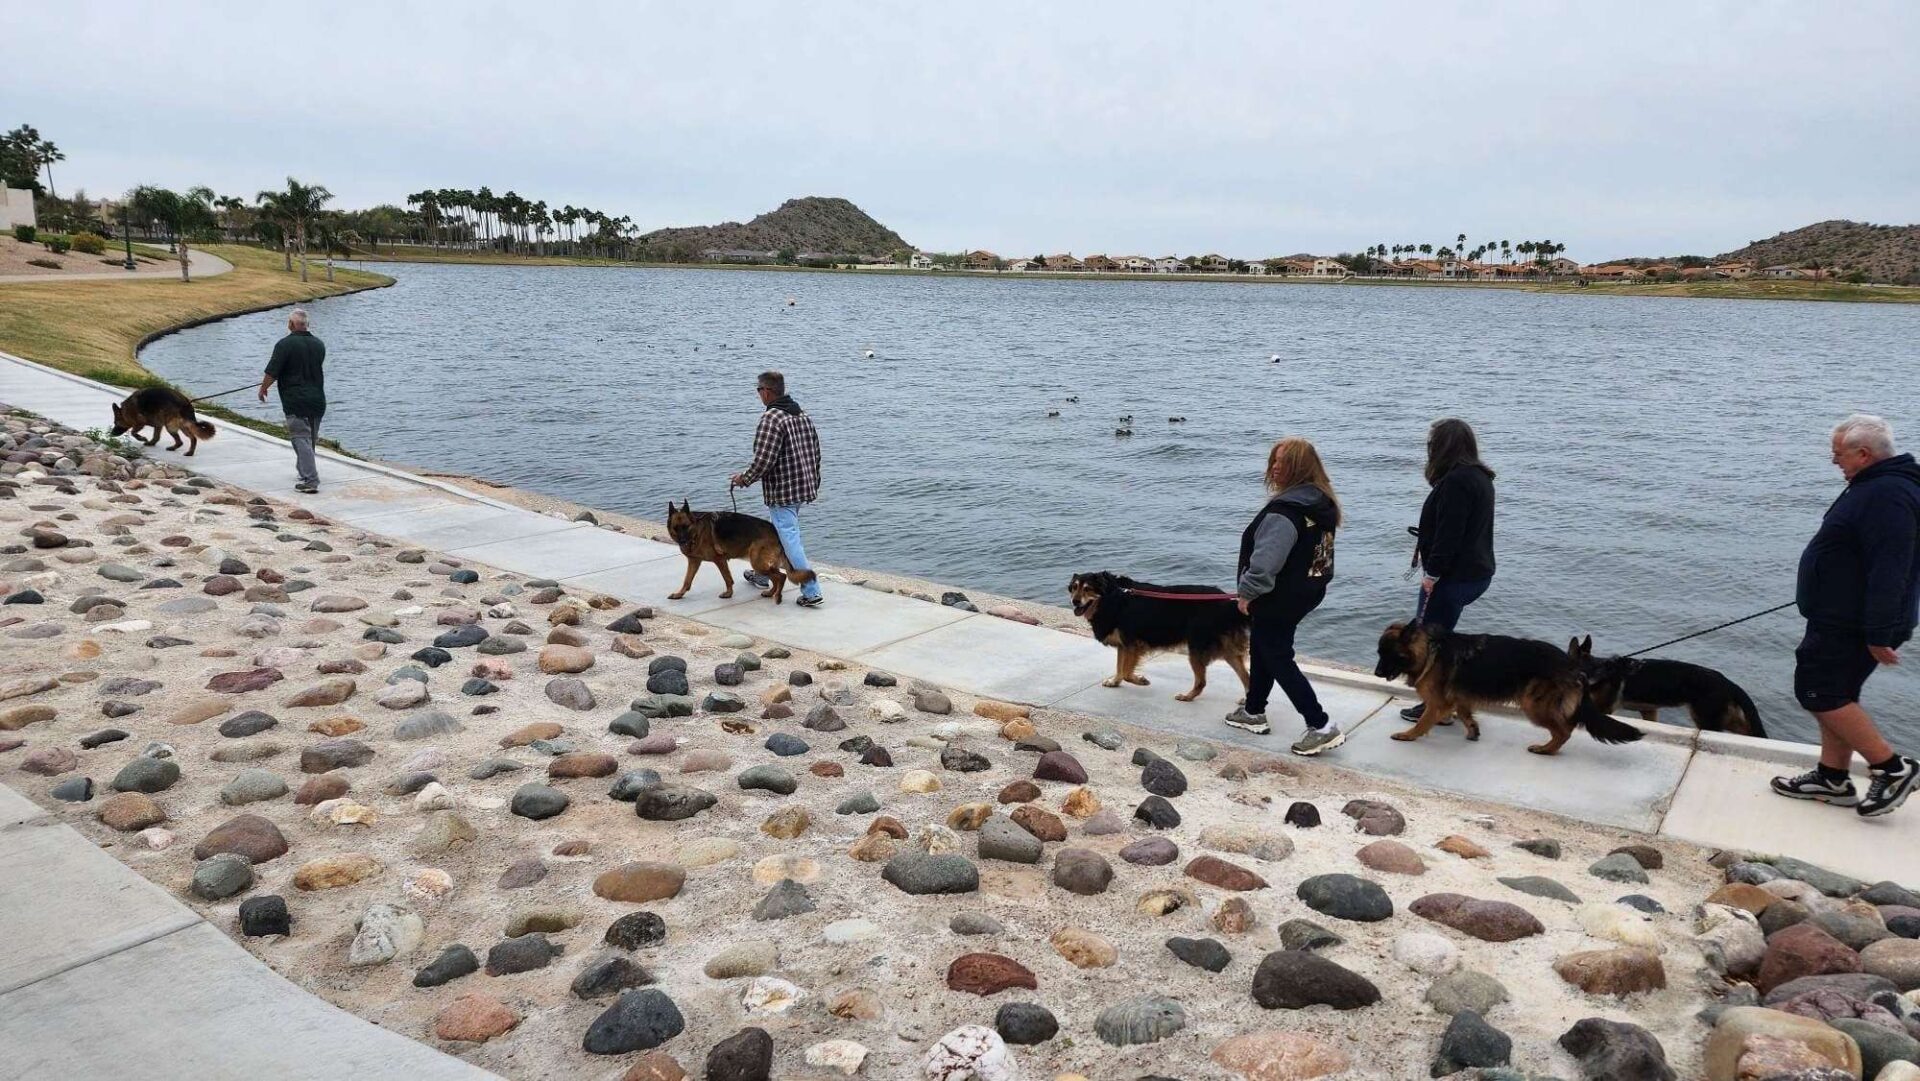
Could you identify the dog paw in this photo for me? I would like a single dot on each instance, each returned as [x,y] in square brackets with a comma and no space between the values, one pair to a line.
[1405,737]
[1473,735]
[1140,681]
[676,596]
[1540,748]
[766,592]
[1114,682]
[1186,696]
[727,594]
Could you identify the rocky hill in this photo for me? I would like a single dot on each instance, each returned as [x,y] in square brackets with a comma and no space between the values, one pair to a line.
[1886,253]
[812,224]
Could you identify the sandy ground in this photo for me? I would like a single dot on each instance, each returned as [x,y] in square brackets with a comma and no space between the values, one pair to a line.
[14,258]
[182,533]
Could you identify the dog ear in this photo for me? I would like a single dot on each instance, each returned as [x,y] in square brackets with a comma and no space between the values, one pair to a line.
[1586,646]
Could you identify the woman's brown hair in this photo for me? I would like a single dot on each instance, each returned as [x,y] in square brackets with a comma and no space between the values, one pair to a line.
[1450,442]
[1293,461]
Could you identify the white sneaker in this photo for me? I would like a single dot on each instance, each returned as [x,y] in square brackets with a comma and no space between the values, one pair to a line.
[1249,722]
[1319,740]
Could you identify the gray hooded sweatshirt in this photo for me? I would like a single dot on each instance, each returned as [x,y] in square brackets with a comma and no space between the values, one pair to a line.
[1274,542]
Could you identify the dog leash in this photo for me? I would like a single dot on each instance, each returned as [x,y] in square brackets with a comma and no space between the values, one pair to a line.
[1159,596]
[224,393]
[1709,630]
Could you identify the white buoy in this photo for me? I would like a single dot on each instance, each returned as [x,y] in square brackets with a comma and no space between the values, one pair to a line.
[791,302]
[869,354]
[1275,358]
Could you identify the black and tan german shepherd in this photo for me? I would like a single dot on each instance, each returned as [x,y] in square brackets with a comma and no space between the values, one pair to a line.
[1454,673]
[1716,703]
[162,409]
[715,536]
[1125,616]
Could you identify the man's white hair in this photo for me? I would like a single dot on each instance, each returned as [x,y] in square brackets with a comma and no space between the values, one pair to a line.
[1866,431]
[298,316]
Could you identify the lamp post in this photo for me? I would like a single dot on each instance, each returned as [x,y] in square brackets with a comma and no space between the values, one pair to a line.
[126,232]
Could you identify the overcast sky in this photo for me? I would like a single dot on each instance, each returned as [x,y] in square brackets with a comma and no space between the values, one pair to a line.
[1250,130]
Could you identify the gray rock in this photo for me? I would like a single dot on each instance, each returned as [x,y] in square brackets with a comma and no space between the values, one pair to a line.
[252,786]
[148,775]
[1298,934]
[265,915]
[1107,739]
[786,898]
[1295,979]
[454,962]
[1000,838]
[1541,886]
[538,801]
[960,758]
[1618,867]
[862,802]
[1878,1045]
[1205,953]
[73,790]
[471,634]
[636,931]
[501,646]
[1642,902]
[524,954]
[222,876]
[426,724]
[251,723]
[1827,882]
[1466,990]
[1544,847]
[1470,1042]
[974,923]
[631,723]
[668,680]
[923,873]
[728,675]
[639,1021]
[608,974]
[1082,871]
[1163,778]
[1346,897]
[493,767]
[1142,1019]
[570,692]
[1616,1051]
[1023,1024]
[1890,893]
[672,802]
[628,786]
[823,718]
[768,778]
[786,745]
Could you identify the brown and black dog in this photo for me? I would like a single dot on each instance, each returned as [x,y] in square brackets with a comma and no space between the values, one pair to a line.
[715,536]
[162,409]
[1454,673]
[1716,703]
[1125,615]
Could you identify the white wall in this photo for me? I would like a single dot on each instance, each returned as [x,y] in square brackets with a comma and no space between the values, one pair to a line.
[16,208]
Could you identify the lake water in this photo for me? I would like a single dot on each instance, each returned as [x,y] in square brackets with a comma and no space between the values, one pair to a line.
[1661,461]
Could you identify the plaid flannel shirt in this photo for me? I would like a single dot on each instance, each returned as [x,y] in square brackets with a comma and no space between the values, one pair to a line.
[786,459]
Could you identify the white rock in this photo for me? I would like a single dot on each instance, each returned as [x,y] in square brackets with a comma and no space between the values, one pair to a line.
[500,611]
[386,932]
[409,611]
[342,811]
[1730,939]
[277,657]
[429,758]
[770,994]
[125,626]
[887,711]
[1898,1071]
[1425,953]
[157,838]
[843,1055]
[1619,923]
[427,887]
[843,932]
[433,797]
[402,695]
[971,1053]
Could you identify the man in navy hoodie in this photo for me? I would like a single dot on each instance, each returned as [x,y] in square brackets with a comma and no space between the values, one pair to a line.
[1859,590]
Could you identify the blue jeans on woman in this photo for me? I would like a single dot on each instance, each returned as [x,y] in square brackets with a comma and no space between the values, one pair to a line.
[1441,606]
[786,522]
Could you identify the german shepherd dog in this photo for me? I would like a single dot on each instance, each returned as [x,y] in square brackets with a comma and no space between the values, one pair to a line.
[1136,625]
[1454,673]
[715,536]
[162,409]
[1716,703]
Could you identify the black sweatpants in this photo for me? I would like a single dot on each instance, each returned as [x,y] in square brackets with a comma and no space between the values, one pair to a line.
[1275,619]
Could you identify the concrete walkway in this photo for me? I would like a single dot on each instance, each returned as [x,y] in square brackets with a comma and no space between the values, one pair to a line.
[1677,782]
[199,263]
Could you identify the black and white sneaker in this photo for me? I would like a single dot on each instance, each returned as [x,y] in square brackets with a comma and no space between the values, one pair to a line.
[307,489]
[1414,712]
[757,580]
[811,602]
[1814,786]
[1887,789]
[1249,722]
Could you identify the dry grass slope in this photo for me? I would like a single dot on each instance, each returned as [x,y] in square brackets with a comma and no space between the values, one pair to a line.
[1887,253]
[815,223]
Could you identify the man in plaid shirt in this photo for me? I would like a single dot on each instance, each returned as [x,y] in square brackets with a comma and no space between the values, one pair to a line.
[786,462]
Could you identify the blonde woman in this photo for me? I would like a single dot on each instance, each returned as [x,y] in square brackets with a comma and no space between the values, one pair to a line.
[1286,561]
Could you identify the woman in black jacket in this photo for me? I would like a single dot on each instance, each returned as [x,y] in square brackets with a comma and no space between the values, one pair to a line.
[1454,543]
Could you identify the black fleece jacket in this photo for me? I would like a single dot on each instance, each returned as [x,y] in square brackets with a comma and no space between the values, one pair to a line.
[1861,571]
[1456,526]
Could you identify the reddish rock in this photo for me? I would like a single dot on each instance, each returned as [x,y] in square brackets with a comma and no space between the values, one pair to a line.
[252,679]
[1020,792]
[1489,921]
[640,882]
[827,769]
[1374,818]
[1392,857]
[247,835]
[327,692]
[1803,950]
[988,974]
[582,764]
[1742,895]
[888,825]
[322,788]
[1040,822]
[1462,847]
[337,726]
[655,1066]
[474,1019]
[527,733]
[1059,766]
[130,811]
[49,761]
[1234,916]
[1215,871]
[1623,971]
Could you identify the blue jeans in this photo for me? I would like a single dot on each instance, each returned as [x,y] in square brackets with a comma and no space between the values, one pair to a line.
[786,522]
[1442,607]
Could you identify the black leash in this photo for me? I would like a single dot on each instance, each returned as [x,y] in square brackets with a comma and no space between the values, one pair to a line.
[224,393]
[1709,630]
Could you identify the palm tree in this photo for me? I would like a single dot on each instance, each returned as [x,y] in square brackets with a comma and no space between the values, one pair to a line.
[1426,249]
[298,206]
[182,214]
[1506,253]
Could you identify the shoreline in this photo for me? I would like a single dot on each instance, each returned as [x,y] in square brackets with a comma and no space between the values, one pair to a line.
[1748,289]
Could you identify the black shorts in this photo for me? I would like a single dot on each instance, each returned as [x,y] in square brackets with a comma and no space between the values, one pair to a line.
[1829,669]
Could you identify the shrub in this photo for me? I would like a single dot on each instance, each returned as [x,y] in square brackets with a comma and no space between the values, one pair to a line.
[24,233]
[47,263]
[58,245]
[89,243]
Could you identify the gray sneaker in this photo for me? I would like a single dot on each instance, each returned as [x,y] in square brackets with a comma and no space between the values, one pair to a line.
[1249,722]
[1319,740]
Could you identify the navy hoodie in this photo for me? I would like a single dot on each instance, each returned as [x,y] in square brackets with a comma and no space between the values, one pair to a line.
[1861,572]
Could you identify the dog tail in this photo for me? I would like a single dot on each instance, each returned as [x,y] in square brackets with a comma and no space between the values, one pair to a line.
[205,428]
[1745,706]
[1602,726]
[800,576]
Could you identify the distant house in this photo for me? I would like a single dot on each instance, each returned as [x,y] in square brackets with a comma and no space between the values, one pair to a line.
[1168,264]
[1560,264]
[1502,272]
[1136,264]
[1211,264]
[982,260]
[1255,268]
[1733,271]
[738,255]
[1024,265]
[1327,268]
[1064,262]
[920,261]
[16,208]
[1389,269]
[1619,272]
[1785,270]
[1098,263]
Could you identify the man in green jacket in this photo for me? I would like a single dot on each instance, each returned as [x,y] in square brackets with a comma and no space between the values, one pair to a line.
[303,393]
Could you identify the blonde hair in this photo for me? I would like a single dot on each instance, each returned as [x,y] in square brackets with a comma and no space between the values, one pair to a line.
[1293,461]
